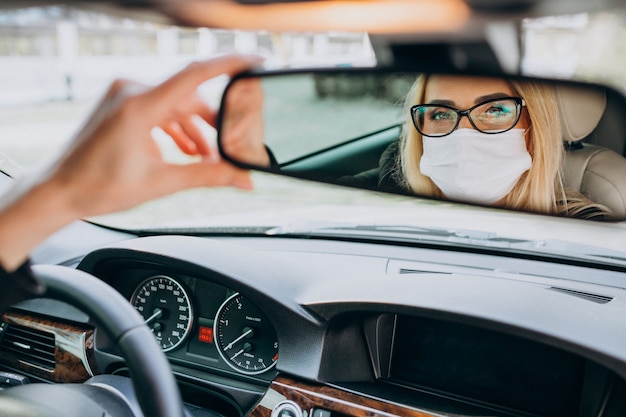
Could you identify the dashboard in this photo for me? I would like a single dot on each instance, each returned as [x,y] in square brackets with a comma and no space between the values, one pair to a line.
[255,326]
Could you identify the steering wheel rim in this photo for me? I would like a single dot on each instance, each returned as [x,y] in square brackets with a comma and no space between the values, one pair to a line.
[155,386]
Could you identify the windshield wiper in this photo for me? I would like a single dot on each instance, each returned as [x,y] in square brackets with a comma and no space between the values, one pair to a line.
[451,238]
[456,237]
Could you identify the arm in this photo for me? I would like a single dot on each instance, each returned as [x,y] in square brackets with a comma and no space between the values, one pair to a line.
[113,164]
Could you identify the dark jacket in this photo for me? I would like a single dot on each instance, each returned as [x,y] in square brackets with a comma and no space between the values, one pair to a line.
[18,285]
[385,177]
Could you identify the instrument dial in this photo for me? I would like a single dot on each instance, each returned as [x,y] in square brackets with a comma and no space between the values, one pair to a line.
[166,308]
[245,338]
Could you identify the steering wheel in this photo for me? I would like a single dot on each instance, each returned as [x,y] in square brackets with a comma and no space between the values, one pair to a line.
[154,384]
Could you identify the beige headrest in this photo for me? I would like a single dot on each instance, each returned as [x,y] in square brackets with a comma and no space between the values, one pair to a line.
[581,110]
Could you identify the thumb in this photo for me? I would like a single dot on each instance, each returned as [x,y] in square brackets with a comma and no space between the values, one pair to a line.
[207,174]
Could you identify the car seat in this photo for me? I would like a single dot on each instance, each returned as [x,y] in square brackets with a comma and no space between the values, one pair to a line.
[593,121]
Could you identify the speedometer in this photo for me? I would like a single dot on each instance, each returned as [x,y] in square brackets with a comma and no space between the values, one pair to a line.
[166,309]
[245,338]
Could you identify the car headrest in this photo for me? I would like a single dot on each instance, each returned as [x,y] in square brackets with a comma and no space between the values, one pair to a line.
[581,110]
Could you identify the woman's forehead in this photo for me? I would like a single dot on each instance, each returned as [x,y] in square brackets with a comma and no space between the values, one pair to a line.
[464,89]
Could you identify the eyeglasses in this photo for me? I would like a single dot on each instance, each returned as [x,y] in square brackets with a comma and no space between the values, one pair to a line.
[491,116]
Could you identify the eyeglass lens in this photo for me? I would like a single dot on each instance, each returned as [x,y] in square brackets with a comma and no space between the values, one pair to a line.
[490,117]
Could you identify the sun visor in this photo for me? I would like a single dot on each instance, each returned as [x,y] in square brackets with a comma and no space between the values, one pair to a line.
[372,16]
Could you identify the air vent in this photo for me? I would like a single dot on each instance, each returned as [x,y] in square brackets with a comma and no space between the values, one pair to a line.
[417,271]
[29,345]
[600,299]
[404,267]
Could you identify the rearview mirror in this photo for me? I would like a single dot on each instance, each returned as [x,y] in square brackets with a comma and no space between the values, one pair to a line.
[300,115]
[515,143]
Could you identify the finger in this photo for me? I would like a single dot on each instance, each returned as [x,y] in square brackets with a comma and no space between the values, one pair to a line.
[193,104]
[202,174]
[176,132]
[125,88]
[194,133]
[185,82]
[207,114]
[243,143]
[188,136]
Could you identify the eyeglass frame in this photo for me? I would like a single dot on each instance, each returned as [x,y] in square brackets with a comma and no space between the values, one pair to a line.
[519,104]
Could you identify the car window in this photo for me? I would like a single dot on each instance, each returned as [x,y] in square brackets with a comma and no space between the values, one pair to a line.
[325,110]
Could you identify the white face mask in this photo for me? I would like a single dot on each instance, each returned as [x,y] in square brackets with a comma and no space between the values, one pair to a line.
[476,167]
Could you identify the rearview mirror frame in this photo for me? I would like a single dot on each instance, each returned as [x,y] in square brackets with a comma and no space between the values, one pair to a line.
[377,143]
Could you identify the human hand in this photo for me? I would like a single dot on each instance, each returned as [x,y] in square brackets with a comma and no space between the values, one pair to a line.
[114,164]
[242,128]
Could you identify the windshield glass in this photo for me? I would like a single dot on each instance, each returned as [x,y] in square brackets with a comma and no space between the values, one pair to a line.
[57,61]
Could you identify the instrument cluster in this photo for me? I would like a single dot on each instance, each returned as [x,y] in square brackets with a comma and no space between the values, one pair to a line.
[199,321]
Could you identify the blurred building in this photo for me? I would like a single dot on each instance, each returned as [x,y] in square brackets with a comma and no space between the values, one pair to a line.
[59,52]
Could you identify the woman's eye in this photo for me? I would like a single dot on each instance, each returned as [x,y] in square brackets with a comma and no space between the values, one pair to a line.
[497,111]
[441,115]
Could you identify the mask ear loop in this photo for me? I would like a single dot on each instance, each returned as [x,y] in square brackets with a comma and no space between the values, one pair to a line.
[530,146]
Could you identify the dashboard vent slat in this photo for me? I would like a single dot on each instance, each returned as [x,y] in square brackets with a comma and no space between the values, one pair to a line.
[419,271]
[29,345]
[596,298]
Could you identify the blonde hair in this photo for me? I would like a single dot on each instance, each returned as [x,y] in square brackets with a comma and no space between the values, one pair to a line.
[540,189]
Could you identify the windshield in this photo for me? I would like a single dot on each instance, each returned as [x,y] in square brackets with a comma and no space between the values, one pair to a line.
[57,61]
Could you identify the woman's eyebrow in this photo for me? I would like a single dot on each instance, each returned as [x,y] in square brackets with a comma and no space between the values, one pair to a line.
[490,97]
[476,100]
[443,102]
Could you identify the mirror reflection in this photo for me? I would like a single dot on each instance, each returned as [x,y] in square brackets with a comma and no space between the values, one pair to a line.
[519,144]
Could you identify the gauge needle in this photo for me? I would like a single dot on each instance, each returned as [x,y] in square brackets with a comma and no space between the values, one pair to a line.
[244,334]
[157,314]
[236,354]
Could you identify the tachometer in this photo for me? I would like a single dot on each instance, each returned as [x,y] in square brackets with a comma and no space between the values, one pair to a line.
[245,338]
[166,308]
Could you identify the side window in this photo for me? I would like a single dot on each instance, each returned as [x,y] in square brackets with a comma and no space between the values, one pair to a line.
[306,113]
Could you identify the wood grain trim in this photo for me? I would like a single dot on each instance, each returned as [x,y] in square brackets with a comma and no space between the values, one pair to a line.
[309,396]
[74,349]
